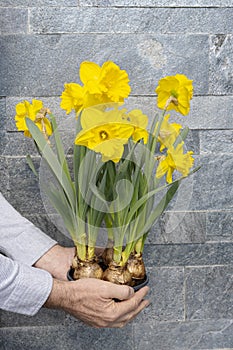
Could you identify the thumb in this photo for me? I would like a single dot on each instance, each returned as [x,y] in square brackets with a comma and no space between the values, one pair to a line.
[116,291]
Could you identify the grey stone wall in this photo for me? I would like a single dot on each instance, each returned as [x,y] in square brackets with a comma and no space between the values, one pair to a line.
[189,253]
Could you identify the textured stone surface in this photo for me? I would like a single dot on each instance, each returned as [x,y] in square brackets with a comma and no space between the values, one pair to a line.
[211,187]
[2,113]
[44,316]
[24,188]
[4,176]
[74,336]
[13,140]
[209,334]
[210,112]
[157,3]
[206,112]
[209,292]
[219,226]
[221,58]
[216,141]
[166,295]
[47,226]
[188,254]
[3,141]
[44,71]
[13,21]
[104,20]
[179,227]
[29,3]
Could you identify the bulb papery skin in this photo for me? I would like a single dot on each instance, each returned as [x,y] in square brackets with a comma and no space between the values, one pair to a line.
[86,269]
[107,256]
[117,274]
[136,266]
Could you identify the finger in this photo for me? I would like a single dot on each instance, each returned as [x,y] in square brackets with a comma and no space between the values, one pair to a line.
[131,305]
[116,291]
[122,321]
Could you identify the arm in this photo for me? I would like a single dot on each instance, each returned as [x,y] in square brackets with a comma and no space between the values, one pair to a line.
[23,289]
[19,238]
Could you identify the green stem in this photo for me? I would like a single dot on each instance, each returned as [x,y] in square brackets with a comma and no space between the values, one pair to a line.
[80,240]
[117,254]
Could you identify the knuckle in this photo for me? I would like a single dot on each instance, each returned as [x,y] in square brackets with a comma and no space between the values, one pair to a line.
[110,316]
[135,303]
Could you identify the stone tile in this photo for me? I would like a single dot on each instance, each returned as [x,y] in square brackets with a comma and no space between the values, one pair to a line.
[145,57]
[3,119]
[50,228]
[166,295]
[216,141]
[24,187]
[210,112]
[3,142]
[43,317]
[215,110]
[219,226]
[38,3]
[157,3]
[210,188]
[212,184]
[221,58]
[179,227]
[130,20]
[17,144]
[209,292]
[76,336]
[192,142]
[4,176]
[210,334]
[13,21]
[188,254]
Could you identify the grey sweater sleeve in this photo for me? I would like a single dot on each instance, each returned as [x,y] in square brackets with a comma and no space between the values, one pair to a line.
[23,288]
[19,238]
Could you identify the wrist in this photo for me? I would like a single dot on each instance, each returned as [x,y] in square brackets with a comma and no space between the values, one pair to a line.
[57,295]
[56,261]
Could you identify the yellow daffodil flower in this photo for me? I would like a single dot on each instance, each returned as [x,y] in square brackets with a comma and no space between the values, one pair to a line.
[168,133]
[175,160]
[109,82]
[72,97]
[34,111]
[139,121]
[104,132]
[101,85]
[175,92]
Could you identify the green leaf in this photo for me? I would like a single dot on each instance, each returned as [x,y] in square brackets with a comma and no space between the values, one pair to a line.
[53,162]
[31,165]
[148,195]
[181,137]
[60,203]
[161,206]
[59,147]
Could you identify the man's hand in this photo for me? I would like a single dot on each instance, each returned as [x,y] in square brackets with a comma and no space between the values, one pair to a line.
[57,261]
[92,301]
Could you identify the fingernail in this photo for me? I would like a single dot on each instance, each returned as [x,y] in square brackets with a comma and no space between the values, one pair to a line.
[131,291]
